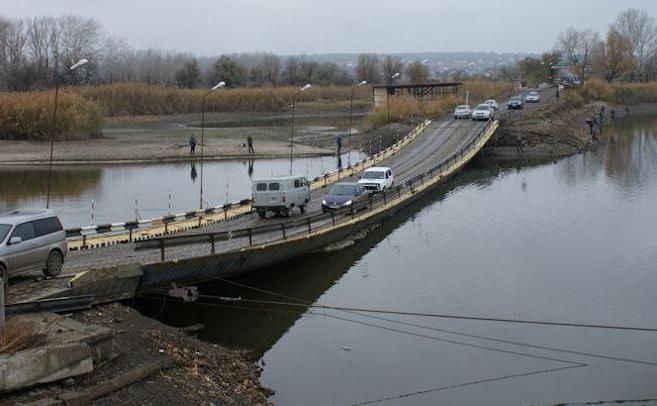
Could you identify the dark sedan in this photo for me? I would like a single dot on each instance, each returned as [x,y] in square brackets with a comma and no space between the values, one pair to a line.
[515,103]
[343,194]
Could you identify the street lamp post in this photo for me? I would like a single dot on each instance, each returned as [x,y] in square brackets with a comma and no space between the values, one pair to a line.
[392,81]
[294,97]
[351,114]
[79,63]
[215,87]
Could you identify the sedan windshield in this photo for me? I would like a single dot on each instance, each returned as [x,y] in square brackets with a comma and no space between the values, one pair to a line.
[461,107]
[481,108]
[372,175]
[342,190]
[4,230]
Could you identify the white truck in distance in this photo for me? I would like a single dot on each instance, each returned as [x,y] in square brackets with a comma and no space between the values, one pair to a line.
[280,195]
[377,179]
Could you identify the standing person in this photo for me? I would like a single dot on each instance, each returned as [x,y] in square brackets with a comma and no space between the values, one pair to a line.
[249,142]
[192,144]
[338,141]
[558,86]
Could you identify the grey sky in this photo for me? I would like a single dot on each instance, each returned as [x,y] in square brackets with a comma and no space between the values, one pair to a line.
[211,27]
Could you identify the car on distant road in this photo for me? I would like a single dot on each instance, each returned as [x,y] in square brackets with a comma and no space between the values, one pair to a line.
[515,103]
[280,195]
[462,111]
[31,240]
[483,112]
[492,103]
[376,179]
[533,97]
[343,194]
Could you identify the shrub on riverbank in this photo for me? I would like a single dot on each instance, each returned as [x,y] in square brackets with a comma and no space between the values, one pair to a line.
[407,107]
[28,115]
[615,93]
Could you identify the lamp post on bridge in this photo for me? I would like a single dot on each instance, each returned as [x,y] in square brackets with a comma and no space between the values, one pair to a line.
[392,82]
[73,67]
[294,96]
[215,87]
[351,114]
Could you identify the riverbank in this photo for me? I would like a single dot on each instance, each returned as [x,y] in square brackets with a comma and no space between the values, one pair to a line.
[557,129]
[192,372]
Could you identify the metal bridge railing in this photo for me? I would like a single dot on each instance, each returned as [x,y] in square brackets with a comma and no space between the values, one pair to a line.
[308,225]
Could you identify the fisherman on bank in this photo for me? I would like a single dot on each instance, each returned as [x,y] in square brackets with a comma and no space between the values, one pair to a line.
[249,142]
[192,144]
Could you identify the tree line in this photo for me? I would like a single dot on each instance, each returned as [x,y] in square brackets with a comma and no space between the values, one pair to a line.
[627,51]
[34,52]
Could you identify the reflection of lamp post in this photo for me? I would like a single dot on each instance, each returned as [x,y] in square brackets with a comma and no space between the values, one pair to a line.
[351,113]
[79,63]
[215,87]
[392,82]
[294,96]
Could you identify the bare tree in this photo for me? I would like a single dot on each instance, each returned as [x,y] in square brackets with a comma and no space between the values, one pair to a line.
[391,65]
[640,30]
[613,58]
[417,72]
[577,45]
[368,68]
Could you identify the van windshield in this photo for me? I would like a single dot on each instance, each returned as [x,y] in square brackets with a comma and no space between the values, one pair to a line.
[342,190]
[373,175]
[4,230]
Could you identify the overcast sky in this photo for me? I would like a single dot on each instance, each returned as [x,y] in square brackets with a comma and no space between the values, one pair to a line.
[212,27]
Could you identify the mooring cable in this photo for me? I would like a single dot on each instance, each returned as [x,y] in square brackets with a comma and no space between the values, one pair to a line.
[434,315]
[458,333]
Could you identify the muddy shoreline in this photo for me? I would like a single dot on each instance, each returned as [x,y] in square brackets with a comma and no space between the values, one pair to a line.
[556,130]
[192,372]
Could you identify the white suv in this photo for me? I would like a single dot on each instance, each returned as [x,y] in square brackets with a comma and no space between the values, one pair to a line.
[377,179]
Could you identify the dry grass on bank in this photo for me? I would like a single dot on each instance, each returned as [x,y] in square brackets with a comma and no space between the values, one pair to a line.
[406,107]
[615,93]
[29,115]
[141,99]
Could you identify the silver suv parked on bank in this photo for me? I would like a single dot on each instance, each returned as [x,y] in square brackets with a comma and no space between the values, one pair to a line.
[31,240]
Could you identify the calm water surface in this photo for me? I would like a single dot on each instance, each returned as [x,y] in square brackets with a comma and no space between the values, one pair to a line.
[571,241]
[125,192]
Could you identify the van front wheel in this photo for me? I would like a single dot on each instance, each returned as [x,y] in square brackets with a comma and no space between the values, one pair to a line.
[54,263]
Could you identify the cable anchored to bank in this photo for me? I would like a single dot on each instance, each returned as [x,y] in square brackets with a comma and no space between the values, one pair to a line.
[432,315]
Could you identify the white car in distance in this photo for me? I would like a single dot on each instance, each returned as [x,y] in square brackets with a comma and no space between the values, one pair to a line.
[377,179]
[533,97]
[462,111]
[492,103]
[483,112]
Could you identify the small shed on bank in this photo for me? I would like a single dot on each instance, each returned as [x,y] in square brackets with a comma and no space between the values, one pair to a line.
[424,91]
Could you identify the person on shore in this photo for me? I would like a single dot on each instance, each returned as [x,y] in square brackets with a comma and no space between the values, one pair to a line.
[249,142]
[192,144]
[558,92]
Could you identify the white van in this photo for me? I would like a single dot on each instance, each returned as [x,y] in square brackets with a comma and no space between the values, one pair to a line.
[280,195]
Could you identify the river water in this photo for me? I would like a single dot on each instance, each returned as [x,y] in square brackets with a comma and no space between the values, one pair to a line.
[89,194]
[570,241]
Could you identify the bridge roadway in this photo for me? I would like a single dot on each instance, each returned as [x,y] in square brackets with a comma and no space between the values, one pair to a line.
[439,141]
